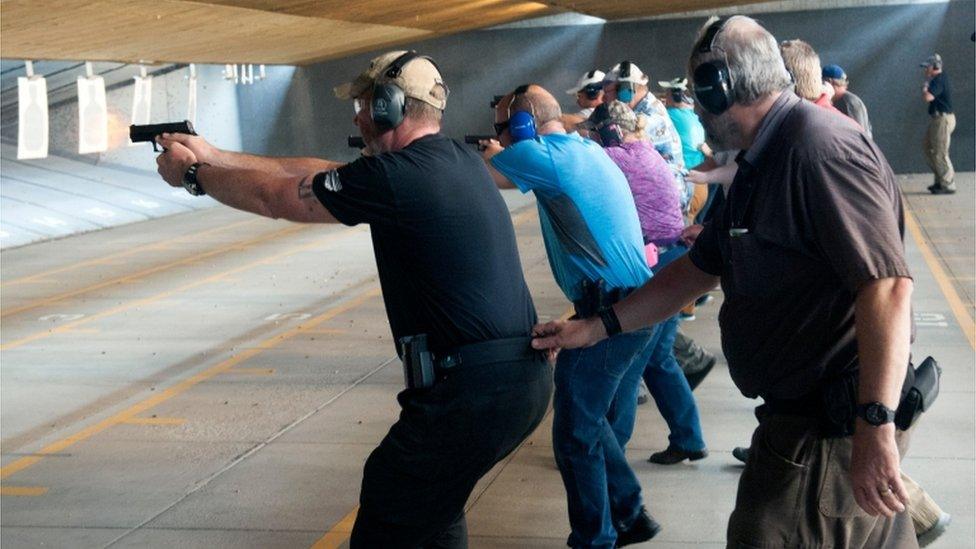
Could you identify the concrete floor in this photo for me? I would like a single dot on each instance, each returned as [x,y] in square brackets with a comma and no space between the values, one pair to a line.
[216,380]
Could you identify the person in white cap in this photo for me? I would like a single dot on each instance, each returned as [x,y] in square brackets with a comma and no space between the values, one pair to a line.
[443,240]
[626,82]
[589,92]
[589,95]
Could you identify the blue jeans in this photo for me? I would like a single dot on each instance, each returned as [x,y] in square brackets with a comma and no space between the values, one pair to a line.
[588,441]
[670,389]
[666,381]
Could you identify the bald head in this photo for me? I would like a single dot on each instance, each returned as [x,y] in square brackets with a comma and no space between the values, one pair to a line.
[536,101]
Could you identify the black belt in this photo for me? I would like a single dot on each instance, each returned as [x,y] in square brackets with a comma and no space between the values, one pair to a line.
[941,113]
[486,352]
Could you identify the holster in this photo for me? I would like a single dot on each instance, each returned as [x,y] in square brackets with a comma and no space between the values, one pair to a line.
[596,297]
[835,404]
[418,362]
[920,395]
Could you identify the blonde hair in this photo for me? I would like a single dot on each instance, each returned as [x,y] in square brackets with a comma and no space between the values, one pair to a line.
[804,64]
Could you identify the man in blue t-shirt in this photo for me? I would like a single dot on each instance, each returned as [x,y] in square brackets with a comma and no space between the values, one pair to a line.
[593,240]
[681,110]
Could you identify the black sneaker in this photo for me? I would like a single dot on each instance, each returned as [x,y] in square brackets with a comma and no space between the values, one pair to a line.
[642,529]
[672,454]
[933,187]
[943,190]
[741,453]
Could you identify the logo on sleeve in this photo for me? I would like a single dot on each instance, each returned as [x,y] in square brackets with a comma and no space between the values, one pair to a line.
[331,181]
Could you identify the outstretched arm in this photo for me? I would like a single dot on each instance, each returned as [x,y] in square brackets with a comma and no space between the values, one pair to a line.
[273,194]
[663,296]
[205,152]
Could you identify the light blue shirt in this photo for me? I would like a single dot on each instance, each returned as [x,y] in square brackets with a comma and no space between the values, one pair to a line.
[692,135]
[588,217]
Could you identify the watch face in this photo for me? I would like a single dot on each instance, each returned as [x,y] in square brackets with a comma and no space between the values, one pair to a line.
[874,414]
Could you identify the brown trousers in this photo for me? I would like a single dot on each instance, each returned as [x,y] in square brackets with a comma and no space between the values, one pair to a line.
[796,492]
[936,147]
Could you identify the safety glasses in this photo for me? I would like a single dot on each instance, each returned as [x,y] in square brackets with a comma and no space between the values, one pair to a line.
[500,127]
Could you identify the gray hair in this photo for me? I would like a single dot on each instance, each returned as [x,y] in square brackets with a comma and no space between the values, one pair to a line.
[804,64]
[752,54]
[425,112]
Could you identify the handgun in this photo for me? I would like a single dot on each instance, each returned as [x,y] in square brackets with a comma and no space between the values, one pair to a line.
[149,132]
[476,139]
[356,142]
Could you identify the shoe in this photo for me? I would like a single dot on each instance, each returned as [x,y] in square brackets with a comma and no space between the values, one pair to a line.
[642,529]
[643,395]
[943,190]
[741,453]
[933,187]
[935,531]
[691,316]
[695,377]
[673,455]
[703,300]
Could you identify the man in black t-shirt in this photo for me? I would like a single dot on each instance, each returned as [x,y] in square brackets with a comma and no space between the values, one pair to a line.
[449,269]
[936,93]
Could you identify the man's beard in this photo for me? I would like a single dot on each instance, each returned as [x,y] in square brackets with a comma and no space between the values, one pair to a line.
[721,130]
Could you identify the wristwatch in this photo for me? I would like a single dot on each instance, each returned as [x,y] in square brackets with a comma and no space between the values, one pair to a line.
[190,182]
[875,413]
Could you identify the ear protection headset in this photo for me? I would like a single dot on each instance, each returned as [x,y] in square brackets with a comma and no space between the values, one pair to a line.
[388,104]
[712,79]
[521,124]
[592,91]
[625,90]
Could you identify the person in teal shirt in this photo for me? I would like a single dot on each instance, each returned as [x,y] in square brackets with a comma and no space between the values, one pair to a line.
[681,109]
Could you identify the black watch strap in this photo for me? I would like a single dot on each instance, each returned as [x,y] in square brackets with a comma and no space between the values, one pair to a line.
[190,182]
[610,321]
[875,413]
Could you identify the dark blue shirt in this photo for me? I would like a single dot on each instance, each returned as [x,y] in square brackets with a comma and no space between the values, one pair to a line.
[939,87]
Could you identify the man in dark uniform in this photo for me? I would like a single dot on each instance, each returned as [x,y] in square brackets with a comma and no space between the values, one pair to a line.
[449,268]
[936,93]
[810,255]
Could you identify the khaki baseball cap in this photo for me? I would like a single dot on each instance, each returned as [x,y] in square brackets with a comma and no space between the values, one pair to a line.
[418,79]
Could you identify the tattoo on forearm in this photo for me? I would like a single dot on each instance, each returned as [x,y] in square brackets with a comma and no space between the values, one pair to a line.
[305,188]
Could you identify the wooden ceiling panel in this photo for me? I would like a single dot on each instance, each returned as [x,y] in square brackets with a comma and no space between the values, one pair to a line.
[628,9]
[178,31]
[440,16]
[291,32]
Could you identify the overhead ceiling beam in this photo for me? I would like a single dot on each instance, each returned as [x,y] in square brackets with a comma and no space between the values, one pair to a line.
[631,9]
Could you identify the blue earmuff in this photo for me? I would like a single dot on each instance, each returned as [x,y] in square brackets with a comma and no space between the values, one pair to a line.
[521,124]
[625,90]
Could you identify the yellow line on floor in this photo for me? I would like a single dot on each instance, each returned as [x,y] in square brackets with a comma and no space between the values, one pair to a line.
[252,371]
[69,326]
[956,304]
[139,275]
[155,246]
[183,386]
[22,491]
[155,421]
[339,533]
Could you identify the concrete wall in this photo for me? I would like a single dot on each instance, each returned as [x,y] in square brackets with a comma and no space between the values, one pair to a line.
[880,47]
[217,110]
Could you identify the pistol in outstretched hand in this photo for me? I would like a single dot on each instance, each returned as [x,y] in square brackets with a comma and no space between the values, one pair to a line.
[149,132]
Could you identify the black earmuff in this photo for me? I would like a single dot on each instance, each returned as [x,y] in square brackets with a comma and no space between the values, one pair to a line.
[712,79]
[388,104]
[592,91]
